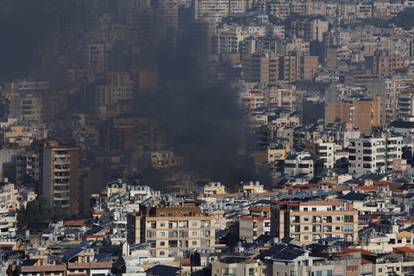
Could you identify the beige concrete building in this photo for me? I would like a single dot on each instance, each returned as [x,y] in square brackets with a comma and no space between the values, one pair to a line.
[294,67]
[60,177]
[253,187]
[270,155]
[307,222]
[284,96]
[237,265]
[261,68]
[362,114]
[309,67]
[385,64]
[172,230]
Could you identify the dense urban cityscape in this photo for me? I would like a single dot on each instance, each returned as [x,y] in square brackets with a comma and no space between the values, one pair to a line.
[206,137]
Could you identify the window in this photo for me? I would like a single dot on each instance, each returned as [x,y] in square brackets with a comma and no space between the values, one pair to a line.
[348,228]
[228,271]
[151,234]
[172,224]
[173,243]
[349,218]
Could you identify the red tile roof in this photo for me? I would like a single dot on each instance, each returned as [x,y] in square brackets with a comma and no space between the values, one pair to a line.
[404,249]
[75,222]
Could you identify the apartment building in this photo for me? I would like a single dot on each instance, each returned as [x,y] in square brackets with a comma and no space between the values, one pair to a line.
[299,163]
[307,222]
[271,154]
[364,10]
[371,154]
[237,265]
[26,99]
[285,96]
[165,159]
[385,64]
[119,87]
[294,67]
[261,68]
[214,188]
[405,104]
[229,39]
[75,261]
[173,229]
[363,114]
[325,151]
[253,187]
[314,29]
[60,176]
[8,198]
[255,224]
[394,87]
[169,10]
[282,96]
[28,169]
[280,9]
[214,10]
[98,56]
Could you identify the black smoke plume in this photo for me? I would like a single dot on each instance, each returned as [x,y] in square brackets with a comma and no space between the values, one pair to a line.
[195,104]
[200,114]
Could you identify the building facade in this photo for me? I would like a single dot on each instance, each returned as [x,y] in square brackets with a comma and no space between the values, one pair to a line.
[307,222]
[374,154]
[60,177]
[172,230]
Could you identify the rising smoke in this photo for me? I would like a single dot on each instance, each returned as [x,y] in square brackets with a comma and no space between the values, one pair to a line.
[196,108]
[200,113]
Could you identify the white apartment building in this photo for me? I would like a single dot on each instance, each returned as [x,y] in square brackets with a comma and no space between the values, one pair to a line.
[406,103]
[229,37]
[374,154]
[326,152]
